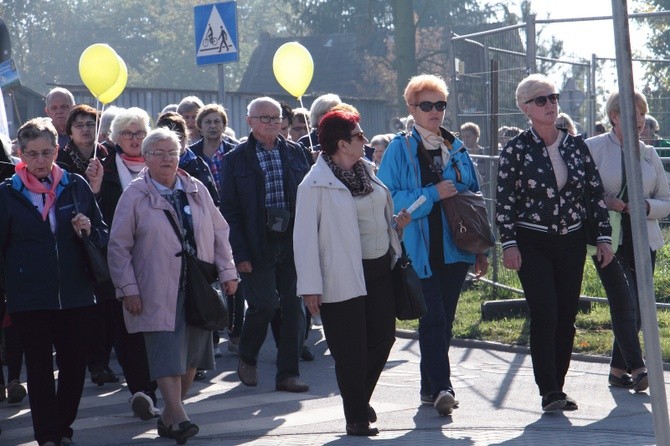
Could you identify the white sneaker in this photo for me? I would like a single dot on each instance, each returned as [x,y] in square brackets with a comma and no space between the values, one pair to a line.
[143,406]
[445,403]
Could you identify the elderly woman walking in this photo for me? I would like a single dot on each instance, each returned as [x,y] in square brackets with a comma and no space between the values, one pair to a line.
[548,186]
[49,291]
[149,275]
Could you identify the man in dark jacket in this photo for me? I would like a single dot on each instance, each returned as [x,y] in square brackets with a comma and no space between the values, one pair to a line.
[259,186]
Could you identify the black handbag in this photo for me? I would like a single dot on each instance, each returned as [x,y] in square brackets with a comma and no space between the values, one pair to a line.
[204,307]
[409,300]
[96,260]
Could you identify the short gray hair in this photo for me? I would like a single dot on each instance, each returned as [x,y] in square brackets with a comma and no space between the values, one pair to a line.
[157,135]
[107,118]
[253,105]
[531,86]
[58,91]
[127,117]
[189,103]
[321,106]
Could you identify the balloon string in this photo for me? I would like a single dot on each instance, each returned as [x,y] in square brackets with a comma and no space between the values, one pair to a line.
[309,127]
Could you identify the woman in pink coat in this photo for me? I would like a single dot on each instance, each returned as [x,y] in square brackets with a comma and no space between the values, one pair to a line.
[148,275]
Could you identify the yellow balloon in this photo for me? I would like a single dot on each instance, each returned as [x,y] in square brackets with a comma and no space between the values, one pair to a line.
[293,67]
[118,86]
[99,68]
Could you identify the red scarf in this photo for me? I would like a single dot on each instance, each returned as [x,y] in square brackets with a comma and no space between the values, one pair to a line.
[34,185]
[132,159]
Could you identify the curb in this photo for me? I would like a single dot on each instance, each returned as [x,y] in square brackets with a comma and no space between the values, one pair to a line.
[500,347]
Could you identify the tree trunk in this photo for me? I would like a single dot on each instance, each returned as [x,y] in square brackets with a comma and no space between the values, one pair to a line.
[405,47]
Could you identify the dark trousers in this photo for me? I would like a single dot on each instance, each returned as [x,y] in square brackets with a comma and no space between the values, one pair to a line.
[551,273]
[54,408]
[103,331]
[626,352]
[236,313]
[626,257]
[132,355]
[360,333]
[441,292]
[13,353]
[272,285]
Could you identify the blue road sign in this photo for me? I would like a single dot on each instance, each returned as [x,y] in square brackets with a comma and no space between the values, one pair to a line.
[216,33]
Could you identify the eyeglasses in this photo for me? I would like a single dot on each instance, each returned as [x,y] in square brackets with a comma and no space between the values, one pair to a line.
[540,101]
[299,128]
[427,106]
[268,119]
[130,135]
[163,154]
[360,135]
[82,125]
[34,155]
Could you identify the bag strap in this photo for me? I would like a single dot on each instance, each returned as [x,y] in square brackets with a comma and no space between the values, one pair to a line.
[421,149]
[176,231]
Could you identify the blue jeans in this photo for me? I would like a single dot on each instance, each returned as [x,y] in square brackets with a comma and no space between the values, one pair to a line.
[441,292]
[271,285]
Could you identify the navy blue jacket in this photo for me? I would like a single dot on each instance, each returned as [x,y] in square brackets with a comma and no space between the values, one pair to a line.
[40,270]
[243,195]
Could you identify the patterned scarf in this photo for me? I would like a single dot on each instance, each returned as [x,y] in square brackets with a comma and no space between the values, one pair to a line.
[356,180]
[78,159]
[35,186]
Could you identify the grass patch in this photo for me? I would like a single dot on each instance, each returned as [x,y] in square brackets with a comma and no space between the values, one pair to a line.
[594,331]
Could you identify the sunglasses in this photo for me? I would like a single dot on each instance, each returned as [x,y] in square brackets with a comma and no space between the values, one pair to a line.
[540,101]
[359,135]
[427,106]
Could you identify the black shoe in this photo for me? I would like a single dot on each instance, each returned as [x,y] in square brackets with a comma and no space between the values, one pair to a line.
[185,431]
[200,375]
[306,354]
[163,430]
[624,381]
[570,404]
[640,382]
[553,401]
[372,415]
[361,430]
[103,377]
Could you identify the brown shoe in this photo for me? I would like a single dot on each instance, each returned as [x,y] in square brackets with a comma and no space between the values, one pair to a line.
[248,373]
[292,384]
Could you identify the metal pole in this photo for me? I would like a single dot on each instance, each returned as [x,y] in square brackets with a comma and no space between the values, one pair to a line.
[222,92]
[531,47]
[493,151]
[592,97]
[637,204]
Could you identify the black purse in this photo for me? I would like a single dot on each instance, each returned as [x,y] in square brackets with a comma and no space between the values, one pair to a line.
[96,260]
[409,300]
[204,307]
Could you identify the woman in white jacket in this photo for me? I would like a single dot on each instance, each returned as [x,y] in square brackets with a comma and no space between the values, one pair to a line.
[345,249]
[627,367]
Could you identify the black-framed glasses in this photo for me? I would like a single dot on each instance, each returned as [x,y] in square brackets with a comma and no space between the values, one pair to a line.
[140,134]
[427,106]
[268,119]
[540,101]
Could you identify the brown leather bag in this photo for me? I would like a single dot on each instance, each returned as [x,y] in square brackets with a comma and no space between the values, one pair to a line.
[469,222]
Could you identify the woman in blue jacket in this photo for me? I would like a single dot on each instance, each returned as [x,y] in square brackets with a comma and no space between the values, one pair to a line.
[45,276]
[429,161]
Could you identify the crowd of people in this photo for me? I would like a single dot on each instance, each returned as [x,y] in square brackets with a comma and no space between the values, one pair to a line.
[304,217]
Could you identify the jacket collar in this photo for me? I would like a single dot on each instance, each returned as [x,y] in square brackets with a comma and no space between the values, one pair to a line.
[143,183]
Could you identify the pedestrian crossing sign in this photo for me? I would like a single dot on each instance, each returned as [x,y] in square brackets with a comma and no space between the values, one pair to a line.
[216,33]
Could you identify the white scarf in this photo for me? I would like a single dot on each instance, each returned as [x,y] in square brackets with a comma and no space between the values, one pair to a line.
[126,174]
[431,141]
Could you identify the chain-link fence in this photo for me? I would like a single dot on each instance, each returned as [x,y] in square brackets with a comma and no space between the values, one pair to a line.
[488,67]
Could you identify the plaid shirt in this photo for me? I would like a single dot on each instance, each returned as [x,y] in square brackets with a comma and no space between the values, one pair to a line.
[274,178]
[215,163]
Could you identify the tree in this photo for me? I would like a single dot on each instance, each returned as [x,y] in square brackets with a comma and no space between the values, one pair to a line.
[155,39]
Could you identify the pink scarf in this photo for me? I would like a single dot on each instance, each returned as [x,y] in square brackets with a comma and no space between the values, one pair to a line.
[34,185]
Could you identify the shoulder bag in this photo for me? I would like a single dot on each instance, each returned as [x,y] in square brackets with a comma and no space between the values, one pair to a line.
[465,212]
[409,300]
[96,260]
[204,307]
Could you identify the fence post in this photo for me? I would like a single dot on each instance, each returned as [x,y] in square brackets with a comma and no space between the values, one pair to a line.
[531,46]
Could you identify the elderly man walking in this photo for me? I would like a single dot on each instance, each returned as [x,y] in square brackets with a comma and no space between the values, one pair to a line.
[258,194]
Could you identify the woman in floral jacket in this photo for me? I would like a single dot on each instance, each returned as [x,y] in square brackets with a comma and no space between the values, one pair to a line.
[548,187]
